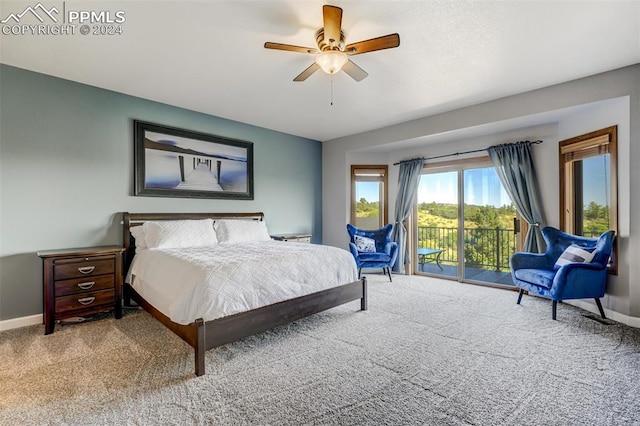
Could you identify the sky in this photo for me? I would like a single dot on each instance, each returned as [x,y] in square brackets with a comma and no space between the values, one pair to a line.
[596,180]
[482,187]
[368,190]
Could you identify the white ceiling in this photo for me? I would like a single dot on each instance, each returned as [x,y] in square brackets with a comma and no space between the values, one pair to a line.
[208,56]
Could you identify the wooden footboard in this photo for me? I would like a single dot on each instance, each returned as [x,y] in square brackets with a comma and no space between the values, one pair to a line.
[203,336]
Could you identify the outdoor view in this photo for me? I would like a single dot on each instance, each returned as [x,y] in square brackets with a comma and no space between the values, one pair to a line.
[488,226]
[595,193]
[488,233]
[368,205]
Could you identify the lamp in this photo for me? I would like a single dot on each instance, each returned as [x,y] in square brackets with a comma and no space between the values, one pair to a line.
[331,61]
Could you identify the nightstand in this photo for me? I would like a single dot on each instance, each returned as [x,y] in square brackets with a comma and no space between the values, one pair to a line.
[296,238]
[80,282]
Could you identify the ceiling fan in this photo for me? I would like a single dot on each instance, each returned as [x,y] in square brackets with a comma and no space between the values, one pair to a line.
[331,54]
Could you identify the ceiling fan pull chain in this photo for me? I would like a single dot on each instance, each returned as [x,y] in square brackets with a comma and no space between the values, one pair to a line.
[331,89]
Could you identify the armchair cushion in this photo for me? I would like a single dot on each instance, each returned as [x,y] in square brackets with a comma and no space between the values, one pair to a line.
[374,257]
[541,277]
[575,254]
[364,244]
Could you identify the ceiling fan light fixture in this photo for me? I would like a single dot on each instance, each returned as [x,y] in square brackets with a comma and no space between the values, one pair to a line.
[332,55]
[331,61]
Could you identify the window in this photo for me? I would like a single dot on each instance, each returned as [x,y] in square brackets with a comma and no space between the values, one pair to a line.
[369,196]
[589,184]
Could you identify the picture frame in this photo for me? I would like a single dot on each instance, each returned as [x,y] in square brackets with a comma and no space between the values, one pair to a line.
[174,162]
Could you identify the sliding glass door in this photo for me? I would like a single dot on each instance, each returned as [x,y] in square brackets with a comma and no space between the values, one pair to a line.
[437,224]
[466,226]
[489,236]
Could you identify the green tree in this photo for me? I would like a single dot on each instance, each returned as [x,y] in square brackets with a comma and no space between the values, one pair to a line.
[365,208]
[596,219]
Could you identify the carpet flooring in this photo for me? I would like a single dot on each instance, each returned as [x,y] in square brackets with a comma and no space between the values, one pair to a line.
[427,351]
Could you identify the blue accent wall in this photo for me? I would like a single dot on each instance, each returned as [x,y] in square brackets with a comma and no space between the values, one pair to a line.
[67,172]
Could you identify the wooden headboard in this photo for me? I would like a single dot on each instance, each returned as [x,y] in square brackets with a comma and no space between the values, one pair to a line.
[130,220]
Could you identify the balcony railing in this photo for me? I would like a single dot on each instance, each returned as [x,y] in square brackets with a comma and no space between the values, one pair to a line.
[486,248]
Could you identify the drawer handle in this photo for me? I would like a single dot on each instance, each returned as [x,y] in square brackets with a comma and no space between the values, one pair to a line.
[87,285]
[86,269]
[86,300]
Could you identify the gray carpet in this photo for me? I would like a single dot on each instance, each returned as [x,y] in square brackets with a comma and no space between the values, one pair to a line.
[427,352]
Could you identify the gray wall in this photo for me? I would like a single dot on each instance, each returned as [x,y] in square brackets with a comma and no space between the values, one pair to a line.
[66,168]
[552,114]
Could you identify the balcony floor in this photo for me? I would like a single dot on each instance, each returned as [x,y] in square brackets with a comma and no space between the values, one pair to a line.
[474,274]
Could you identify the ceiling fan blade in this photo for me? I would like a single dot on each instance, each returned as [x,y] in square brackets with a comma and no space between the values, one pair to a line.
[332,25]
[306,73]
[290,48]
[354,71]
[378,43]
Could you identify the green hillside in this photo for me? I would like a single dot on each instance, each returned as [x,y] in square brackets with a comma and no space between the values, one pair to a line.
[488,231]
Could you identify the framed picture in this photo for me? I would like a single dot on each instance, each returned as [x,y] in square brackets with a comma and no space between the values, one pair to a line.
[171,162]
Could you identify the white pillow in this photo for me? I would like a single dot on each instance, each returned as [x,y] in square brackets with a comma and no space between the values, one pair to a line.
[138,234]
[364,244]
[179,234]
[575,254]
[239,231]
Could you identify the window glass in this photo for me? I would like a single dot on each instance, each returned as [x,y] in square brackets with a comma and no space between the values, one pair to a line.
[594,217]
[588,184]
[369,196]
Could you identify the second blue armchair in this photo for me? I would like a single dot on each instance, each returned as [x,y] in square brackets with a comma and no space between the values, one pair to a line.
[560,274]
[373,248]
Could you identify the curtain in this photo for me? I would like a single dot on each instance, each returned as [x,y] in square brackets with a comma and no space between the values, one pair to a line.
[408,179]
[515,168]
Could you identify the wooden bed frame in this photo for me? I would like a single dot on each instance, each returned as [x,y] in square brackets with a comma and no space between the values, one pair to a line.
[203,335]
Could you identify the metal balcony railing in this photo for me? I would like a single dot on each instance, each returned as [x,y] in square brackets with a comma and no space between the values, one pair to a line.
[486,248]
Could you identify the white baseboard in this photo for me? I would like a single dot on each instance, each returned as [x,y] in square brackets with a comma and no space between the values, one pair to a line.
[21,322]
[612,315]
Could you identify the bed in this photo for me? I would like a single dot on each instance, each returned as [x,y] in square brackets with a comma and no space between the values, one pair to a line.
[212,321]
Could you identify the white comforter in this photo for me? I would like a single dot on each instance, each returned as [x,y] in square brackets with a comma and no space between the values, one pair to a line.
[225,279]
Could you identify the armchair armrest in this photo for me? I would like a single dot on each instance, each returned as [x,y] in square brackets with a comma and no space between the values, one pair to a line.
[354,252]
[579,280]
[523,260]
[391,248]
[391,245]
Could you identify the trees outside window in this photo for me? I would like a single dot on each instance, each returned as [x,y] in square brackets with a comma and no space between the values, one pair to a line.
[589,184]
[369,196]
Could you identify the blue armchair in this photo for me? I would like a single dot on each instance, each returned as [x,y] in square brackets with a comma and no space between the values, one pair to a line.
[373,248]
[570,278]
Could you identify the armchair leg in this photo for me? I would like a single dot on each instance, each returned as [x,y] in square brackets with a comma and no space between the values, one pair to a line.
[520,296]
[597,299]
[388,271]
[554,308]
[359,272]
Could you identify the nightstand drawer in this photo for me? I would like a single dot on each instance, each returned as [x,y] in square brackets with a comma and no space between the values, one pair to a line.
[84,284]
[85,301]
[83,268]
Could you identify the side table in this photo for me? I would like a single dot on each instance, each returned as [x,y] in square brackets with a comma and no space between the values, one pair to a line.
[80,282]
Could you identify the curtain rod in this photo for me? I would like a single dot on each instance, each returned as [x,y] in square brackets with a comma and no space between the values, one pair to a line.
[466,152]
